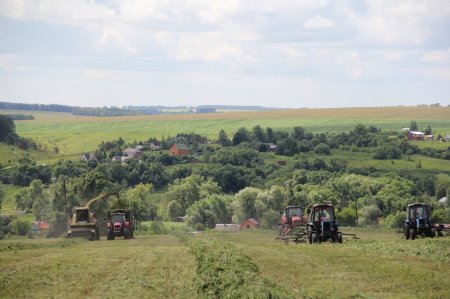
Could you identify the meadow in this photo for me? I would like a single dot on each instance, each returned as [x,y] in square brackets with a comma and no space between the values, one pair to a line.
[77,134]
[378,265]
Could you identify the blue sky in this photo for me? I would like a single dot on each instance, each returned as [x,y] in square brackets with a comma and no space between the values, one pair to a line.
[305,53]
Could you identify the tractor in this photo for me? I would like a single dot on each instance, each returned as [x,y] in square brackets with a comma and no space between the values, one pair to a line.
[293,224]
[322,225]
[120,223]
[418,222]
[83,222]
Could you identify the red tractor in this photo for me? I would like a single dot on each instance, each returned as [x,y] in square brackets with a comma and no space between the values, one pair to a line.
[293,224]
[120,224]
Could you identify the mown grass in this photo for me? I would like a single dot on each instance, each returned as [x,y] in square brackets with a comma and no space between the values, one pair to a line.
[151,267]
[367,268]
[75,134]
[379,265]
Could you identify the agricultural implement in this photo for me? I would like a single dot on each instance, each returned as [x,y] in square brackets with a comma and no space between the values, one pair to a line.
[121,223]
[322,225]
[293,225]
[83,223]
[418,222]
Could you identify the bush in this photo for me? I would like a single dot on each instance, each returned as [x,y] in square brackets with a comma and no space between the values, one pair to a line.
[20,227]
[270,219]
[322,149]
[158,228]
[347,217]
[395,220]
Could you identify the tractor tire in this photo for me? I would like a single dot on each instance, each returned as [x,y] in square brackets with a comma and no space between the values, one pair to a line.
[314,238]
[97,234]
[93,237]
[406,233]
[433,233]
[310,238]
[126,234]
[339,238]
[412,234]
[108,235]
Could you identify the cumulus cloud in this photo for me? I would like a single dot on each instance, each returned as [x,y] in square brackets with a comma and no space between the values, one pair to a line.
[318,22]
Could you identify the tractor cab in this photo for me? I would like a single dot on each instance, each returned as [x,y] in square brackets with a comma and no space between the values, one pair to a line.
[418,222]
[322,224]
[292,216]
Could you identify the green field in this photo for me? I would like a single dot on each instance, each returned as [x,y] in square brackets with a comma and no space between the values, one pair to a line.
[379,265]
[77,134]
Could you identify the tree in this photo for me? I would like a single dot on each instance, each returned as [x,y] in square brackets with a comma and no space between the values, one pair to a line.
[269,219]
[428,130]
[241,136]
[413,126]
[299,133]
[7,128]
[287,147]
[138,199]
[223,138]
[269,135]
[209,211]
[174,210]
[244,204]
[259,134]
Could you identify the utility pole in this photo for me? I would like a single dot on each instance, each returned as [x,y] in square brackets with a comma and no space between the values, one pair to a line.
[65,202]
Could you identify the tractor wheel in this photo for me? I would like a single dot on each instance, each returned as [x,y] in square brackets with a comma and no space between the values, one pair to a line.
[126,234]
[412,234]
[97,234]
[314,238]
[433,233]
[339,238]
[108,235]
[93,237]
[406,232]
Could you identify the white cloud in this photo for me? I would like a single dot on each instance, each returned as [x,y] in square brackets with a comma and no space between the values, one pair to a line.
[113,36]
[318,22]
[441,56]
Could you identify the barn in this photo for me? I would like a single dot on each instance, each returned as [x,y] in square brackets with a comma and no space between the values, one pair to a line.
[249,224]
[179,149]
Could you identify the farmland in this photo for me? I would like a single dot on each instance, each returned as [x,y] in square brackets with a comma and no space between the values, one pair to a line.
[380,265]
[76,134]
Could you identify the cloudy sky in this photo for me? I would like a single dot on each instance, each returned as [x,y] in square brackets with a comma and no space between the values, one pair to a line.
[278,53]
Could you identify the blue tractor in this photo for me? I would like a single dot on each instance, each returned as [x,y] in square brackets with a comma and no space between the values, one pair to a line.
[322,225]
[418,222]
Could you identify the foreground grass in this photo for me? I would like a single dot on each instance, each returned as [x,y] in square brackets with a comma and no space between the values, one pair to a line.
[387,267]
[151,267]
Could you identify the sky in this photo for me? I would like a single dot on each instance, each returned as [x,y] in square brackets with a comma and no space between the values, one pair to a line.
[283,53]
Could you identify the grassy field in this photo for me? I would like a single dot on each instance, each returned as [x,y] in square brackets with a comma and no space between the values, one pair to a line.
[379,265]
[76,134]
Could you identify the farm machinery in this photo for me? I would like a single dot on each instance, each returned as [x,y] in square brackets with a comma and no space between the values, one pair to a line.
[322,225]
[83,222]
[120,223]
[293,225]
[418,222]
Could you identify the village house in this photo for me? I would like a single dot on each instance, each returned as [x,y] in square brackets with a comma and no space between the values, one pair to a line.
[179,149]
[132,152]
[155,145]
[249,224]
[88,157]
[416,135]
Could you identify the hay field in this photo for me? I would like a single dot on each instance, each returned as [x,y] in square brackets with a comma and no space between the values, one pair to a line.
[76,134]
[379,265]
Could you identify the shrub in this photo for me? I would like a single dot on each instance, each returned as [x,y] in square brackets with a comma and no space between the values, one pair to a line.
[269,219]
[20,227]
[322,149]
[158,228]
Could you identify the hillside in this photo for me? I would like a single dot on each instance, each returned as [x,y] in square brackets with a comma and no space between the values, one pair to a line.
[77,134]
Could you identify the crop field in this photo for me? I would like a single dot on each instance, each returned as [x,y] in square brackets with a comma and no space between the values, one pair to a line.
[379,265]
[76,134]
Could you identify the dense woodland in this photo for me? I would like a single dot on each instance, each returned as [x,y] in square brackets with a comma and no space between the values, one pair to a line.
[235,178]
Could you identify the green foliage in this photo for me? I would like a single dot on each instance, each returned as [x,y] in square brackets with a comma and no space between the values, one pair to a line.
[225,272]
[347,217]
[240,136]
[395,221]
[20,227]
[323,149]
[138,199]
[209,211]
[7,128]
[247,205]
[413,126]
[158,228]
[370,215]
[174,210]
[270,219]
